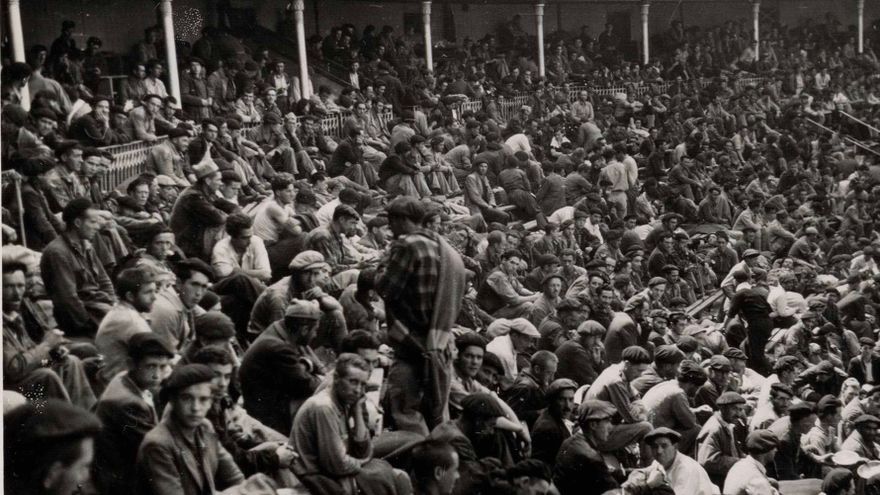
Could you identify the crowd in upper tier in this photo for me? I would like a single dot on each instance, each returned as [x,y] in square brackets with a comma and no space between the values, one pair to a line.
[481,281]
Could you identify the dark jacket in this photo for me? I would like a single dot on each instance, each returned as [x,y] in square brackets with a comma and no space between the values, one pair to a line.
[192,216]
[127,418]
[856,369]
[580,468]
[548,434]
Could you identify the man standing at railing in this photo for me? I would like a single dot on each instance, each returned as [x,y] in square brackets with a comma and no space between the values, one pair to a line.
[194,91]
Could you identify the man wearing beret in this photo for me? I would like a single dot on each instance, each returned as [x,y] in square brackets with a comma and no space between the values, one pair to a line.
[863,439]
[52,444]
[348,161]
[423,274]
[182,454]
[662,255]
[717,446]
[668,404]
[579,465]
[761,447]
[128,411]
[282,351]
[211,329]
[613,385]
[680,473]
[169,158]
[665,367]
[787,464]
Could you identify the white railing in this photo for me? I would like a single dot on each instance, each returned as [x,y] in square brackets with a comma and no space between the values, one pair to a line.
[130,159]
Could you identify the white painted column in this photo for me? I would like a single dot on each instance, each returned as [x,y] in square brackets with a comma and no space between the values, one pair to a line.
[170,48]
[17,39]
[756,13]
[298,15]
[539,20]
[646,41]
[860,7]
[426,27]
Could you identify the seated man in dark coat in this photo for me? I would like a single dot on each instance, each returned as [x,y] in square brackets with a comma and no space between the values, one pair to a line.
[550,429]
[579,465]
[526,395]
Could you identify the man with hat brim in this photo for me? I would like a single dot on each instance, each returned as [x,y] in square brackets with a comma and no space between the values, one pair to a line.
[194,96]
[328,240]
[550,429]
[423,285]
[168,158]
[613,385]
[719,378]
[127,411]
[863,439]
[662,255]
[667,359]
[187,393]
[283,352]
[761,446]
[544,306]
[670,468]
[580,462]
[667,404]
[51,441]
[611,247]
[196,221]
[789,429]
[515,337]
[41,225]
[677,287]
[546,264]
[717,447]
[868,402]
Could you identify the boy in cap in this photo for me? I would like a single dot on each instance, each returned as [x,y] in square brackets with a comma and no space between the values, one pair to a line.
[182,435]
[717,447]
[128,411]
[761,447]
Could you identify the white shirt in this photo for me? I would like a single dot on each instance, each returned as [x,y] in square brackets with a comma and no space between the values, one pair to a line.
[742,474]
[119,325]
[519,142]
[324,215]
[687,476]
[225,259]
[503,348]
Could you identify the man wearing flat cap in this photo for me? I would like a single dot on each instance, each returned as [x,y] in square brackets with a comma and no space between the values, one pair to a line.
[719,378]
[128,411]
[613,385]
[182,454]
[671,469]
[582,357]
[169,158]
[282,351]
[194,95]
[422,285]
[196,221]
[667,359]
[717,446]
[761,447]
[550,429]
[863,439]
[52,444]
[579,464]
[668,404]
[821,442]
[787,464]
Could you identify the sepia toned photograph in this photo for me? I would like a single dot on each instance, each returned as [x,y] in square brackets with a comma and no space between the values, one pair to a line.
[440,247]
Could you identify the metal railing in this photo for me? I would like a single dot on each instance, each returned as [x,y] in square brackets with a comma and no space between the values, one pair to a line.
[130,159]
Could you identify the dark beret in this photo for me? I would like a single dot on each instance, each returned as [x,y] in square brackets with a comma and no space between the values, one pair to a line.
[668,354]
[491,360]
[559,385]
[692,372]
[729,398]
[177,132]
[143,344]
[480,405]
[687,344]
[866,341]
[547,259]
[271,118]
[828,402]
[35,166]
[719,363]
[186,376]
[735,353]
[214,325]
[39,424]
[43,113]
[470,339]
[407,207]
[800,410]
[837,480]
[636,355]
[779,387]
[195,264]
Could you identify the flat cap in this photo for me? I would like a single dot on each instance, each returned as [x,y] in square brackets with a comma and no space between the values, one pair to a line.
[781,388]
[867,419]
[271,118]
[407,207]
[729,398]
[784,363]
[761,441]
[734,353]
[214,325]
[524,327]
[828,402]
[177,132]
[692,372]
[306,310]
[719,363]
[591,327]
[34,424]
[662,432]
[750,252]
[868,341]
[308,260]
[547,259]
[687,344]
[481,405]
[636,355]
[837,480]
[657,281]
[668,354]
[186,376]
[551,277]
[559,385]
[145,344]
[800,410]
[595,409]
[205,168]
